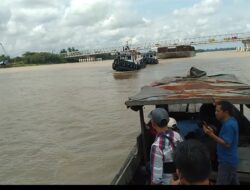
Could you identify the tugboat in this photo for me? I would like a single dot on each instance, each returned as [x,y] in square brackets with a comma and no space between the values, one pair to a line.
[126,60]
[150,58]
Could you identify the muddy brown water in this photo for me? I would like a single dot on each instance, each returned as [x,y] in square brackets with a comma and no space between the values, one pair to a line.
[68,124]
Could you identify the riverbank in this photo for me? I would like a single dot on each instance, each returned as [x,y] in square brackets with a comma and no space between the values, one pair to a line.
[210,55]
[228,54]
[203,55]
[57,66]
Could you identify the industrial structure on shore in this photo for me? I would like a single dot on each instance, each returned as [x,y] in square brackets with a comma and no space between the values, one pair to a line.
[108,53]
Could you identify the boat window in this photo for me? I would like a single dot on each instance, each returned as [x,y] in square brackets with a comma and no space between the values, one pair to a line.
[191,108]
[128,58]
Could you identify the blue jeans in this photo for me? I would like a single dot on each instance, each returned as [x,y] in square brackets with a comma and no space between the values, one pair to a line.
[227,175]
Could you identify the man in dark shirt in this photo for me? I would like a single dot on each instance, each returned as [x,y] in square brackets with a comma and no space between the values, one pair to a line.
[227,144]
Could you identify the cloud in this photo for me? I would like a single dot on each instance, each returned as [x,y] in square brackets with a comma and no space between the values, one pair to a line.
[5,15]
[205,7]
[39,4]
[27,25]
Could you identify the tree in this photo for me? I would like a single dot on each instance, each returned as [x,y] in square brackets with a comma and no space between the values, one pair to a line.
[72,49]
[42,58]
[69,49]
[63,51]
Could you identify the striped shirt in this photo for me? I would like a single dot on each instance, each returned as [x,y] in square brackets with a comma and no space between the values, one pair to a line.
[162,152]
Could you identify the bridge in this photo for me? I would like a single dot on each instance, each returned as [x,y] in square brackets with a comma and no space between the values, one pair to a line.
[213,39]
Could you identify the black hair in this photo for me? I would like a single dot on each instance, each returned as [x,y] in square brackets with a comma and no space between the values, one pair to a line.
[226,106]
[191,135]
[192,159]
[163,123]
[207,113]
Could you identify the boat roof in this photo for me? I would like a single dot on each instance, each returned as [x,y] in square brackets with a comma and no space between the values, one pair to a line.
[188,90]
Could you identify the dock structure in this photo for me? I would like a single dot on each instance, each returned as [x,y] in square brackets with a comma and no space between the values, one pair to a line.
[89,59]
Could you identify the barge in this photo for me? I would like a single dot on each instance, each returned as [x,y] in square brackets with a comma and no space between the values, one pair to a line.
[175,52]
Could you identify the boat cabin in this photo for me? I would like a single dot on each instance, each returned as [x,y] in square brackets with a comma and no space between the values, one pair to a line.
[128,54]
[149,54]
[189,99]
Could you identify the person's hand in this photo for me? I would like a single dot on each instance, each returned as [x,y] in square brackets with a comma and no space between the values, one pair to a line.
[216,101]
[175,182]
[208,130]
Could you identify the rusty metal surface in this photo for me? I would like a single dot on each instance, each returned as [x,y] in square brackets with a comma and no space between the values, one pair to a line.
[192,90]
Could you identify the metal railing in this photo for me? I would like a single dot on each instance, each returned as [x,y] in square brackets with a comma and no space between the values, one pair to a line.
[212,39]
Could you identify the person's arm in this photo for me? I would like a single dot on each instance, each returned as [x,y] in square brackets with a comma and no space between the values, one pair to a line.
[219,140]
[156,164]
[209,131]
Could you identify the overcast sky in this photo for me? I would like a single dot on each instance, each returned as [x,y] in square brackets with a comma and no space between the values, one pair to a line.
[51,25]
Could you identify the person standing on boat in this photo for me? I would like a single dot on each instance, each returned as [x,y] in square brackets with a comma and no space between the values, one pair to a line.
[227,144]
[161,154]
[172,124]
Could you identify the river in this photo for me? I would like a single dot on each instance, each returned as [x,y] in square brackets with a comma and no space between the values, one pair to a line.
[68,124]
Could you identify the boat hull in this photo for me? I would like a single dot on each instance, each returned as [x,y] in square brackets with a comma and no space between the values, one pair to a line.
[132,173]
[122,65]
[179,54]
[129,169]
[149,61]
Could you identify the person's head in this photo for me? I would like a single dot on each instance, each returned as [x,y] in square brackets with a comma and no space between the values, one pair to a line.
[172,124]
[159,119]
[224,109]
[207,113]
[192,160]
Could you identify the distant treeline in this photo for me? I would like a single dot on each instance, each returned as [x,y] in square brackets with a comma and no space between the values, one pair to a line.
[35,58]
[39,58]
[216,49]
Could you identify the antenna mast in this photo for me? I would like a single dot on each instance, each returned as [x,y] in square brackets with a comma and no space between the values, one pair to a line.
[4,51]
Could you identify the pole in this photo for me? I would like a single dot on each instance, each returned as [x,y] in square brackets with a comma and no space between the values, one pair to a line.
[143,136]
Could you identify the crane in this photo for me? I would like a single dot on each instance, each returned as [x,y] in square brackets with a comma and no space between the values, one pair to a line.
[4,51]
[5,61]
